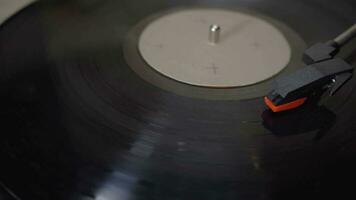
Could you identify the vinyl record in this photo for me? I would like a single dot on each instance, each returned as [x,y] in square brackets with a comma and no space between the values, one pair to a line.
[85,116]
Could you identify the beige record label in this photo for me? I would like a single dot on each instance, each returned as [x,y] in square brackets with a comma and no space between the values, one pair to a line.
[10,7]
[214,48]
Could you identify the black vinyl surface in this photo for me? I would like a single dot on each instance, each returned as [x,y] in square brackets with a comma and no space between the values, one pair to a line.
[78,124]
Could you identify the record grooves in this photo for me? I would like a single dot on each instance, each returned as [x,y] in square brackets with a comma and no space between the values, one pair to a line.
[83,118]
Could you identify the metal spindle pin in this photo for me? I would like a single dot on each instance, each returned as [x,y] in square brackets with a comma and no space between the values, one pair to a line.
[214,34]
